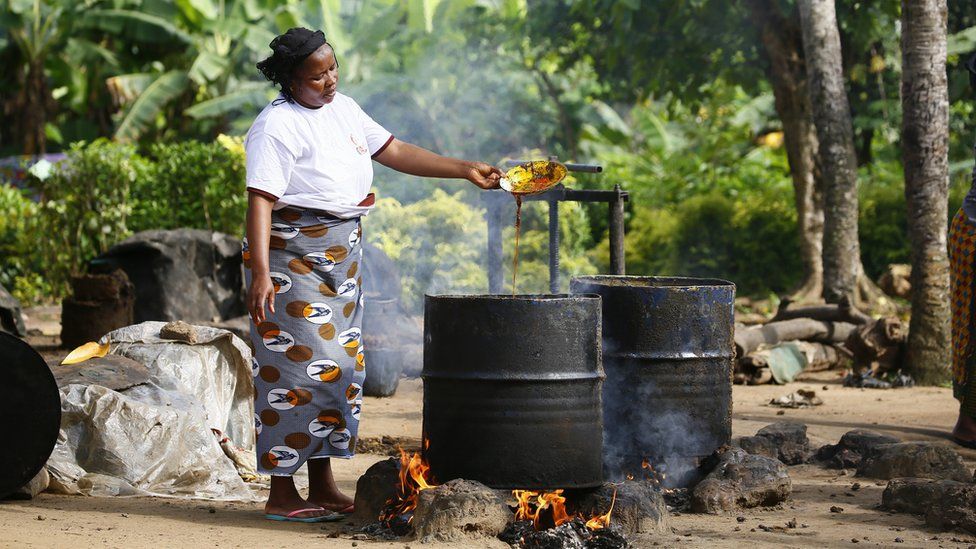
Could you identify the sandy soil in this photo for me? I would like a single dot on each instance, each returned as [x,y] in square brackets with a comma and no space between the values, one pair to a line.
[912,414]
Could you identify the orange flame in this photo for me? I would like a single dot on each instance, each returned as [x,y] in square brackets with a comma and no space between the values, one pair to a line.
[414,478]
[602,521]
[532,503]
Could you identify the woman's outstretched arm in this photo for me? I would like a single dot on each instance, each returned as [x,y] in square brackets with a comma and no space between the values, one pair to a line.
[407,158]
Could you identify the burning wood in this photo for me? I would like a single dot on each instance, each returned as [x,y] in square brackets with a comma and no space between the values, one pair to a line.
[536,506]
[415,477]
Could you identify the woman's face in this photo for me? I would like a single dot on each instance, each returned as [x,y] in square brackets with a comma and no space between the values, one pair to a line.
[316,79]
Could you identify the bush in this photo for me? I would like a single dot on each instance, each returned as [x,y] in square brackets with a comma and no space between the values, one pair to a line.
[20,264]
[194,185]
[102,193]
[438,244]
[86,207]
[751,241]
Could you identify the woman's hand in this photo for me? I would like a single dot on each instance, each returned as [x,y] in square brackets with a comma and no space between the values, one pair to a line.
[261,291]
[483,175]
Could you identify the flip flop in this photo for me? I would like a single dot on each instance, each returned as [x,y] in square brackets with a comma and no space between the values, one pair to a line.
[348,510]
[291,517]
[971,444]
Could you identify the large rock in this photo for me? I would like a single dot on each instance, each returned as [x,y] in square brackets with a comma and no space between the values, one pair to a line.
[914,459]
[183,274]
[460,510]
[786,441]
[756,445]
[741,480]
[638,506]
[852,448]
[945,504]
[11,318]
[377,485]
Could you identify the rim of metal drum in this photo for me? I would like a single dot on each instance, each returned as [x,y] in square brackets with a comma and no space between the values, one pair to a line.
[517,297]
[643,281]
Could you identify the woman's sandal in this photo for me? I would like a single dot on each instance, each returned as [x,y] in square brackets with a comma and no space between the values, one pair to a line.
[291,517]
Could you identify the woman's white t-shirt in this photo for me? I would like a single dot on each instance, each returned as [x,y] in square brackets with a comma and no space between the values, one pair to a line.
[315,158]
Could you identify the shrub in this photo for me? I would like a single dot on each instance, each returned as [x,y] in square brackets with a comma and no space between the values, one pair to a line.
[20,264]
[751,241]
[192,185]
[86,206]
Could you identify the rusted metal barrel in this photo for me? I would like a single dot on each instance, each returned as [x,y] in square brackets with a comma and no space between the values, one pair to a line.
[512,389]
[30,405]
[667,353]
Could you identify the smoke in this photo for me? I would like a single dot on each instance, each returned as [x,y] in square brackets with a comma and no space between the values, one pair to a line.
[658,422]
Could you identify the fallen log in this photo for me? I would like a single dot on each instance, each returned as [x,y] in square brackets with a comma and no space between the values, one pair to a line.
[839,312]
[879,346]
[750,338]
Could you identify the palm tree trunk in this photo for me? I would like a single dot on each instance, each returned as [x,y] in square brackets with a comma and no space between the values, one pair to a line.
[783,44]
[838,161]
[925,155]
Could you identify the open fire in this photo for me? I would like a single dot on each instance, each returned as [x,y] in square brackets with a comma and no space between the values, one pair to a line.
[544,509]
[415,477]
[536,506]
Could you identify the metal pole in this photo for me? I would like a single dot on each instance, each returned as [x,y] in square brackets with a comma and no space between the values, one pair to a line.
[617,233]
[554,246]
[494,245]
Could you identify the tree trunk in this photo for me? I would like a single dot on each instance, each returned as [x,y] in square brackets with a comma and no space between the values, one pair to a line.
[783,44]
[925,155]
[838,161]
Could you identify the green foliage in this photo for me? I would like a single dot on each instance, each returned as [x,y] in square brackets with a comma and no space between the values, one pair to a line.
[86,206]
[191,184]
[751,240]
[102,193]
[883,224]
[438,245]
[19,264]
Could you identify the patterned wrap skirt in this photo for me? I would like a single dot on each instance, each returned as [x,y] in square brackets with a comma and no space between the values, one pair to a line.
[308,361]
[962,270]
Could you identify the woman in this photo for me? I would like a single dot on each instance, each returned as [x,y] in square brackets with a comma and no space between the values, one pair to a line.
[962,275]
[309,173]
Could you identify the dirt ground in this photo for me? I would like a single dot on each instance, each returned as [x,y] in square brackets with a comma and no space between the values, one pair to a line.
[911,414]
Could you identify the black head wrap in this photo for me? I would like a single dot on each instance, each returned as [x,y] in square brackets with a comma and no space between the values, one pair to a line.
[290,49]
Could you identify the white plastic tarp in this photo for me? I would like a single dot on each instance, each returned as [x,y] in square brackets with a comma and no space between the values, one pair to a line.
[157,438]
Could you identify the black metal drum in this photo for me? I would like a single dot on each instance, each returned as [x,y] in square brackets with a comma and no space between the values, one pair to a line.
[667,353]
[30,405]
[512,390]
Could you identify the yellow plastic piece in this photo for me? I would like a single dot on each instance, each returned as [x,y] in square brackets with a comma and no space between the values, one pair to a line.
[85,352]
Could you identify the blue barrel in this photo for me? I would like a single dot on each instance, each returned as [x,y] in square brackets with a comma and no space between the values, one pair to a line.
[667,355]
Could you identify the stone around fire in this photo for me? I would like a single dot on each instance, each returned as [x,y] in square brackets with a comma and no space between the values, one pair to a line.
[914,459]
[945,504]
[741,480]
[460,510]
